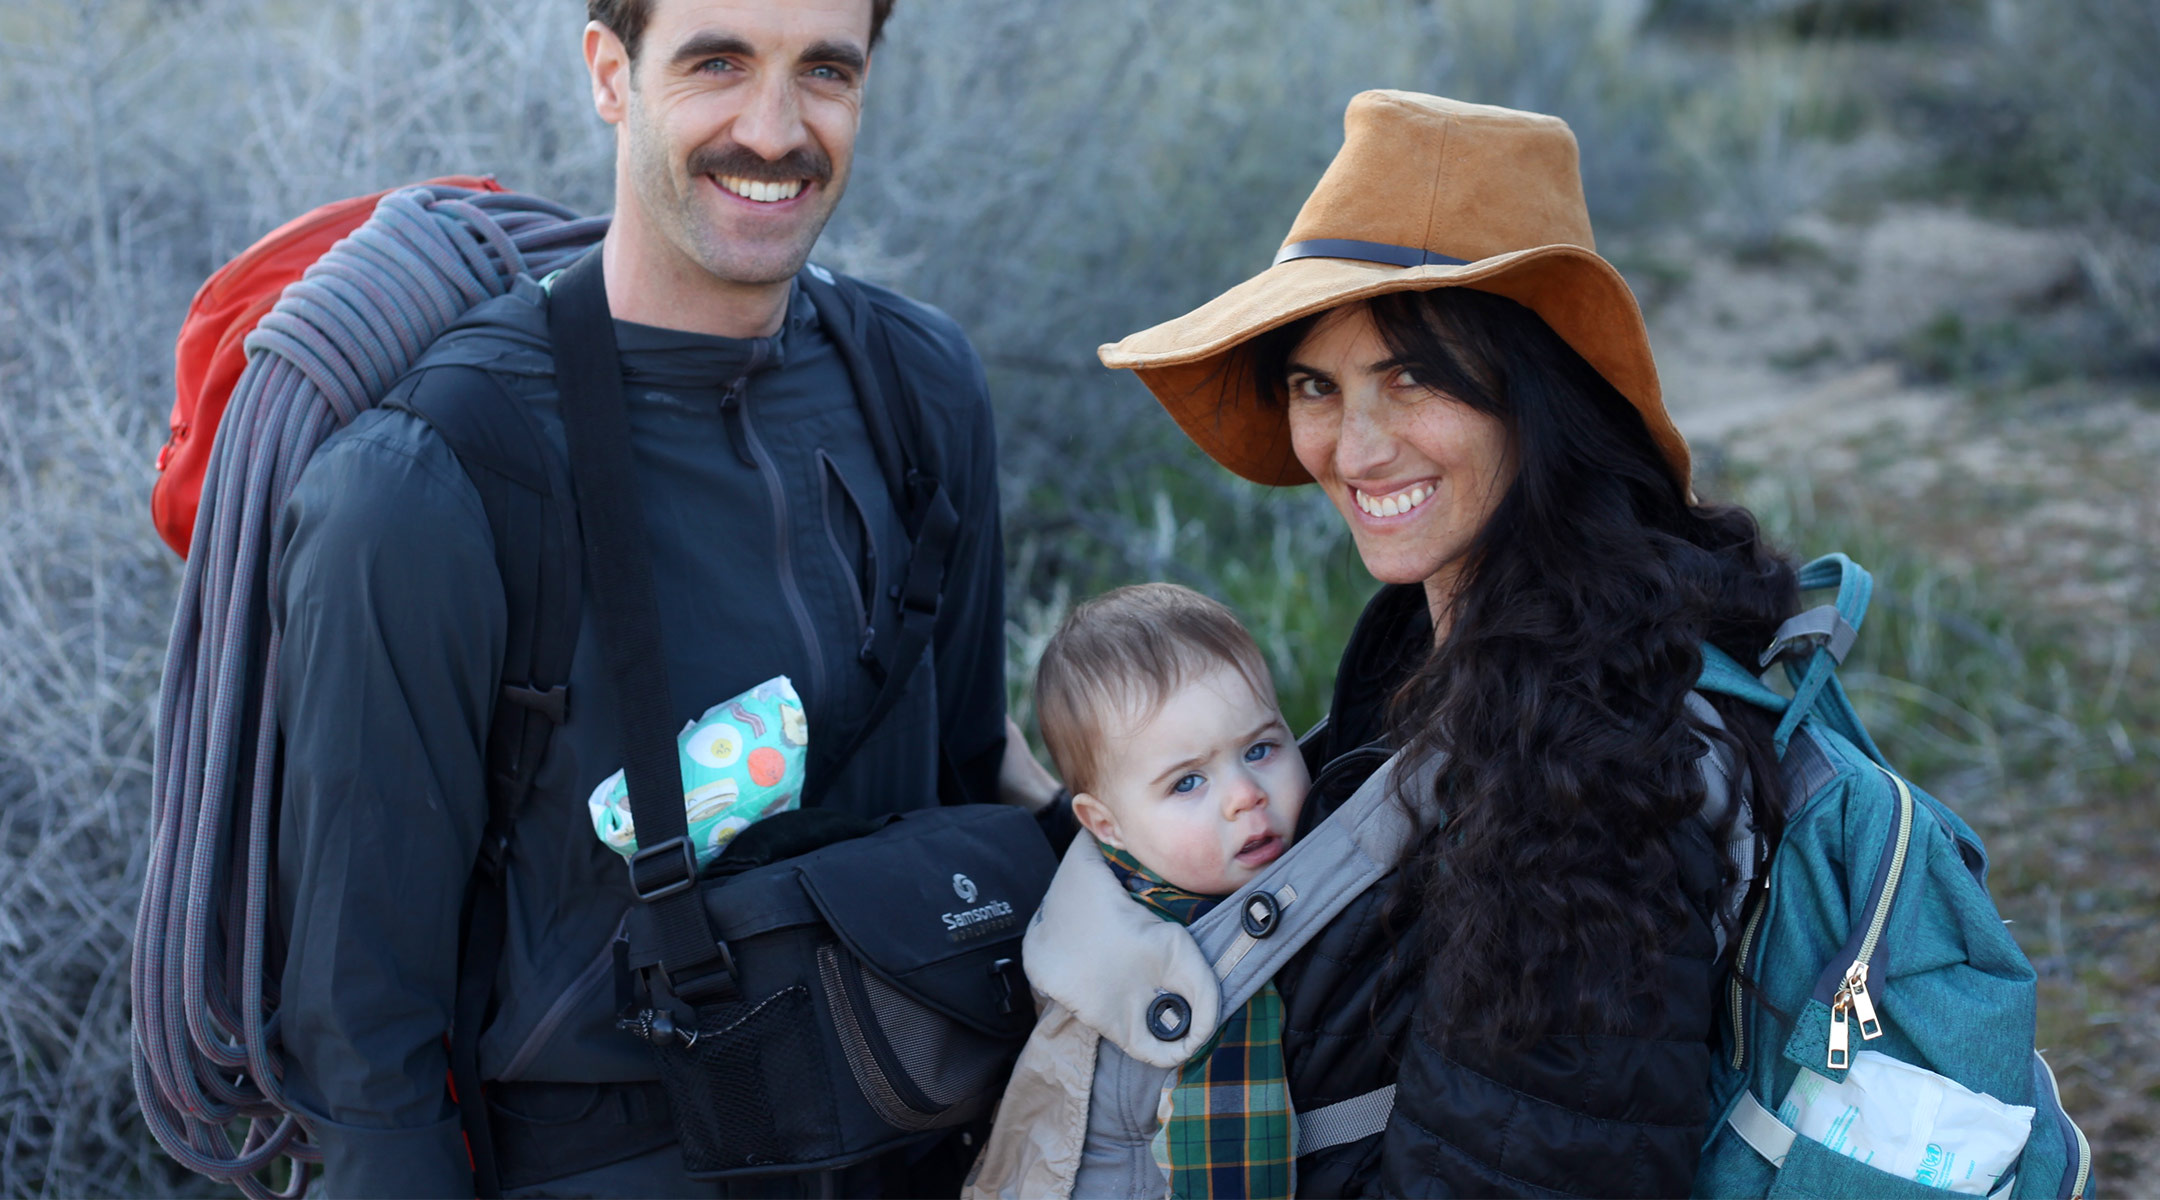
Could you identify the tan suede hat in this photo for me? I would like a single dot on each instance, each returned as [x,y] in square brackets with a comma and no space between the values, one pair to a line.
[1426,193]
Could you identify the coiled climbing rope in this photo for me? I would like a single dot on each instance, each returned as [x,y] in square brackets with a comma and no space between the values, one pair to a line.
[206,1038]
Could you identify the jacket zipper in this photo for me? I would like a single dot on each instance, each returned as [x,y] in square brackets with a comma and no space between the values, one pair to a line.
[563,1006]
[1740,962]
[784,559]
[864,589]
[1852,993]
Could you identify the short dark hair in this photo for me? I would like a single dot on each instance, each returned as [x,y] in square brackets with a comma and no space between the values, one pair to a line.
[626,19]
[1130,649]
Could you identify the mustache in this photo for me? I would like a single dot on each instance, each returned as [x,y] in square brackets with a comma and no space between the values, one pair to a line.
[738,160]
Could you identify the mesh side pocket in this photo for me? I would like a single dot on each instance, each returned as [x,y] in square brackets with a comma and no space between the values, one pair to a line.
[748,1061]
[916,1068]
[948,1062]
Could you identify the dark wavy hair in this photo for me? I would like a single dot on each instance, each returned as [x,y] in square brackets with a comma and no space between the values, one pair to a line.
[1542,884]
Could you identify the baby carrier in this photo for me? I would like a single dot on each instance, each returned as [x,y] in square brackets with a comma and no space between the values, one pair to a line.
[1143,1026]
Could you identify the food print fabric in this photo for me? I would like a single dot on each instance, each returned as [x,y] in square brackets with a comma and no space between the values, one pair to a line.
[741,761]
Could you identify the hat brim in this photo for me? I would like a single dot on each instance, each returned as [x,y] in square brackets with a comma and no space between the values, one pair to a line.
[1187,362]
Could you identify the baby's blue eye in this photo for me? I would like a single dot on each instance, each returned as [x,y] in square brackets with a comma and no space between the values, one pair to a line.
[1258,751]
[1185,784]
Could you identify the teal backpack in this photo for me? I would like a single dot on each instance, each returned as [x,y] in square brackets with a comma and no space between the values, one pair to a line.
[1875,932]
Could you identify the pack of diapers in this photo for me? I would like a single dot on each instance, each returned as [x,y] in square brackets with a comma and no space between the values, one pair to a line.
[1911,1122]
[741,761]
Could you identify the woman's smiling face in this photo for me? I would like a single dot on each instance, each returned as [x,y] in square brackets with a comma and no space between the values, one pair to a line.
[1414,471]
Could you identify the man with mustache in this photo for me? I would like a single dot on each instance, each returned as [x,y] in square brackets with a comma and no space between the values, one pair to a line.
[776,548]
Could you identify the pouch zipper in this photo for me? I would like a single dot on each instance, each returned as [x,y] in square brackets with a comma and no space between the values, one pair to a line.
[1852,992]
[2084,1148]
[1740,962]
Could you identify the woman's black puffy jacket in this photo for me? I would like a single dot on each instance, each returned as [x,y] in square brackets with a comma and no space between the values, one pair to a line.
[1607,1115]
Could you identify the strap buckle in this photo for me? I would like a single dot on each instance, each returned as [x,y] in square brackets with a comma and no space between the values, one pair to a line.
[910,603]
[920,593]
[715,982]
[552,703]
[676,870]
[1822,626]
[494,853]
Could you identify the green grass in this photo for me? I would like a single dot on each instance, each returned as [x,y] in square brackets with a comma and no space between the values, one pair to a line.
[1280,558]
[1965,688]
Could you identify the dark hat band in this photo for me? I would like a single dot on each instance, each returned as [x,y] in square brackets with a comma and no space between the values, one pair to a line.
[1379,252]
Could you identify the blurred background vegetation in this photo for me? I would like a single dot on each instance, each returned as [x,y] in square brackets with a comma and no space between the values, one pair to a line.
[1901,260]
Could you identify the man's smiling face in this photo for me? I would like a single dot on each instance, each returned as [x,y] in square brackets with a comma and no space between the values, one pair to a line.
[738,122]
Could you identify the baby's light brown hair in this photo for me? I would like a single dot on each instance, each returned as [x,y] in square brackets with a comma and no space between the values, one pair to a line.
[1121,655]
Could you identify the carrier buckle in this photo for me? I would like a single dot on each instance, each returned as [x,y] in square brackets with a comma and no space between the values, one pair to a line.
[673,870]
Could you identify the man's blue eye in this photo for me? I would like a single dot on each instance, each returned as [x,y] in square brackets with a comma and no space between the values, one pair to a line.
[1185,784]
[1259,750]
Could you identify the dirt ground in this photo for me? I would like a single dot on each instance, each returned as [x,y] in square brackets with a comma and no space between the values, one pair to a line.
[1858,356]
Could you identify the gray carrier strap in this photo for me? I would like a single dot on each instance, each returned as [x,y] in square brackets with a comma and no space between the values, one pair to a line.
[1345,1121]
[1259,927]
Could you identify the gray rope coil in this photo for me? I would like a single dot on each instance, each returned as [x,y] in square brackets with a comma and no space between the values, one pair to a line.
[206,1039]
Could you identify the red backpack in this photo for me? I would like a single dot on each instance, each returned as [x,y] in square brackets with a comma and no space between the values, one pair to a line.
[212,351]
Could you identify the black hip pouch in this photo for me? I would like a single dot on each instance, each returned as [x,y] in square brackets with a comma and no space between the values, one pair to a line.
[873,993]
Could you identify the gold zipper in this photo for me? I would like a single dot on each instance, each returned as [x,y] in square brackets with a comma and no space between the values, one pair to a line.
[1740,962]
[1852,994]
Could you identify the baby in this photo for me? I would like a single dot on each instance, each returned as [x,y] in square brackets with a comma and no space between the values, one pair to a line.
[1161,717]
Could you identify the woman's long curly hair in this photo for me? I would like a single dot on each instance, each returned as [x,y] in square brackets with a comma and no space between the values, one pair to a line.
[1542,882]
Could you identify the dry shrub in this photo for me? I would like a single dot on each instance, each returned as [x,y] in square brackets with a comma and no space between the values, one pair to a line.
[1054,174]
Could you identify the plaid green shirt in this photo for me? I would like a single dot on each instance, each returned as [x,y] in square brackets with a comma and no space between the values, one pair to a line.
[1227,1128]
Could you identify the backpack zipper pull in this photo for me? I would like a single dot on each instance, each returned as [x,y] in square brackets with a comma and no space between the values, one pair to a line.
[1862,1005]
[1840,1052]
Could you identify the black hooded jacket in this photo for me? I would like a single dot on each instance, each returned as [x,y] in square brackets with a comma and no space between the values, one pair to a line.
[1584,1115]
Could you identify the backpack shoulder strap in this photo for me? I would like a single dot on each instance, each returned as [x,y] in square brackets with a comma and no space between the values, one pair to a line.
[887,388]
[892,411]
[1812,645]
[524,489]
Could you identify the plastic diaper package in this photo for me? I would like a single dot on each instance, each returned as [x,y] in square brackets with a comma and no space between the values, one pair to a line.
[741,761]
[1910,1122]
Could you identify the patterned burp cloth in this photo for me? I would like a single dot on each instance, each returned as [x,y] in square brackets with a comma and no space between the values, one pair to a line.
[741,761]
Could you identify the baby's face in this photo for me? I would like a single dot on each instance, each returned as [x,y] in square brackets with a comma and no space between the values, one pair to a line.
[1205,791]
